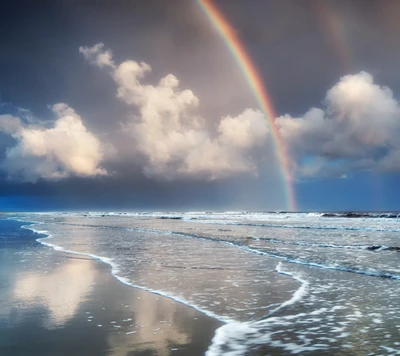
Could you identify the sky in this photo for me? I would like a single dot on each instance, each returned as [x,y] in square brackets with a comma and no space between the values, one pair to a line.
[148,105]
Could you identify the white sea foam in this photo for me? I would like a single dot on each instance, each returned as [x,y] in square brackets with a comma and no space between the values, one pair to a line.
[233,335]
[315,215]
[391,350]
[298,294]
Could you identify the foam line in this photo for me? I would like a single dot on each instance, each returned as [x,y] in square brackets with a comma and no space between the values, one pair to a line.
[297,295]
[322,266]
[293,260]
[287,226]
[321,245]
[234,333]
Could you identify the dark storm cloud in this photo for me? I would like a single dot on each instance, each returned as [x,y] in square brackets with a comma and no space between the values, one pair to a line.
[298,46]
[39,43]
[137,192]
[289,41]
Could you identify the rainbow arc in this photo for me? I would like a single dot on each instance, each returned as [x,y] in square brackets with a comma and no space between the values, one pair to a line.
[257,87]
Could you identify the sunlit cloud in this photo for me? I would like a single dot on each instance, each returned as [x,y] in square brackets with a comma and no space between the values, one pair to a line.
[357,129]
[170,134]
[63,150]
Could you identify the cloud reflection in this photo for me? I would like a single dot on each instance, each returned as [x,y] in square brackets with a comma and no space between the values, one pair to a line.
[61,290]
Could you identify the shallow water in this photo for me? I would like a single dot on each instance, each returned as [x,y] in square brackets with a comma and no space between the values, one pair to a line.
[53,303]
[283,283]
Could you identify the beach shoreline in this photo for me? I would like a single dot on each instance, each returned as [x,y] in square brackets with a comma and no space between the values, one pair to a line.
[56,301]
[296,287]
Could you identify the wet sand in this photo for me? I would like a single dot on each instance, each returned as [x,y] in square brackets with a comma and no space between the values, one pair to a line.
[54,303]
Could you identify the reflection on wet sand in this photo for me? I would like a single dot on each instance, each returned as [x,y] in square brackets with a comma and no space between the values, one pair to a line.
[60,301]
[155,325]
[60,291]
[233,284]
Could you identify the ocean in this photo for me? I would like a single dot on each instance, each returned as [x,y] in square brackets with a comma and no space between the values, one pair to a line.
[280,283]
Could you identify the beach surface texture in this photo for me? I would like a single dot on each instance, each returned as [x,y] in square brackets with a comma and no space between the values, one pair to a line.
[231,283]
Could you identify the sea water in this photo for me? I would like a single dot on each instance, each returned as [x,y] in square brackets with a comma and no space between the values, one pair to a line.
[283,283]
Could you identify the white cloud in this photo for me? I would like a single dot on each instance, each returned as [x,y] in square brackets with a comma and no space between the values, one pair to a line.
[357,130]
[98,56]
[64,150]
[168,132]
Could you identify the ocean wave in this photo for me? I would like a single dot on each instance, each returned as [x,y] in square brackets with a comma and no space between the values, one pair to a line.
[337,267]
[306,227]
[231,339]
[297,295]
[351,214]
[375,248]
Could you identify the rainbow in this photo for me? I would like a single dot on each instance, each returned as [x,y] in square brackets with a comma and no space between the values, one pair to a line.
[338,38]
[259,90]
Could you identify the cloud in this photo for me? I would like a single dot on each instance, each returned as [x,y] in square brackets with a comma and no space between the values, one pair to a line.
[64,150]
[358,129]
[170,135]
[98,56]
[9,124]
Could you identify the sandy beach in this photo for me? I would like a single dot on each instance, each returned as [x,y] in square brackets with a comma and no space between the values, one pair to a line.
[157,284]
[55,303]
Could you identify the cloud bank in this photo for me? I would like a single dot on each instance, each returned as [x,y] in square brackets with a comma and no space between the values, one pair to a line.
[168,132]
[357,129]
[64,150]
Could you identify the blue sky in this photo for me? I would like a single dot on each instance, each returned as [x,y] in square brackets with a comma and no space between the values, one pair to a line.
[141,106]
